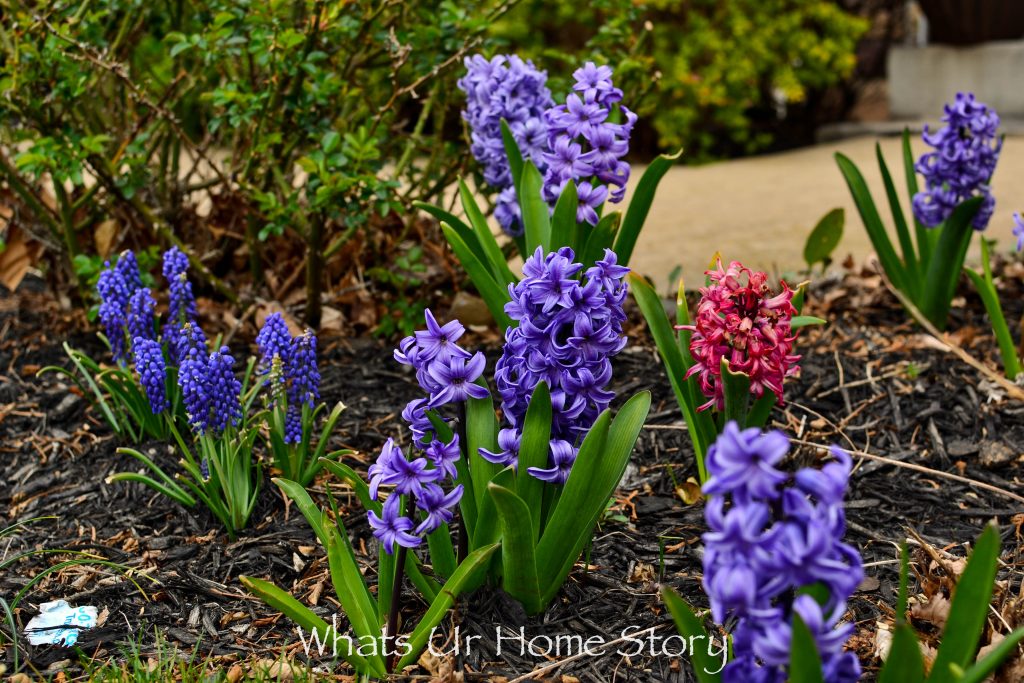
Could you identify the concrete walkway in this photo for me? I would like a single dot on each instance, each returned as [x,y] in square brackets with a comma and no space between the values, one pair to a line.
[760,210]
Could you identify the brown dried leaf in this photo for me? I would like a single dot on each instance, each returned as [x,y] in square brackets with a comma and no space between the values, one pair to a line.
[935,611]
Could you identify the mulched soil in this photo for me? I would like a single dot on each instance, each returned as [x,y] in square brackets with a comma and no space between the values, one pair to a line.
[870,382]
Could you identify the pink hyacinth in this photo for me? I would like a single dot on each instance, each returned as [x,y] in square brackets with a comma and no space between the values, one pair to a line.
[739,319]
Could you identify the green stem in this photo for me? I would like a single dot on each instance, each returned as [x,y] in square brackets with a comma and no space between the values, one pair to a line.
[396,590]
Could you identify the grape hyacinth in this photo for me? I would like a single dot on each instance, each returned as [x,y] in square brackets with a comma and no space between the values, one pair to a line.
[152,368]
[966,150]
[192,376]
[772,534]
[128,267]
[585,147]
[303,381]
[568,330]
[114,294]
[141,315]
[505,87]
[181,307]
[223,391]
[273,339]
[739,319]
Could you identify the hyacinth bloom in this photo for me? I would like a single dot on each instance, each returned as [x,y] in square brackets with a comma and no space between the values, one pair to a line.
[509,88]
[964,156]
[771,534]
[114,294]
[142,315]
[290,368]
[192,376]
[223,391]
[585,146]
[152,368]
[128,268]
[741,320]
[1018,230]
[444,370]
[273,340]
[392,528]
[568,330]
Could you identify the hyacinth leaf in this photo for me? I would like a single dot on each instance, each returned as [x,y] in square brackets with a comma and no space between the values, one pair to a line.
[599,467]
[925,237]
[488,529]
[564,228]
[349,586]
[518,549]
[80,361]
[824,238]
[912,272]
[493,295]
[804,660]
[424,584]
[167,486]
[305,504]
[481,432]
[670,348]
[987,291]
[600,238]
[485,238]
[968,609]
[515,156]
[640,205]
[468,574]
[534,449]
[305,619]
[467,505]
[536,214]
[904,663]
[736,389]
[947,262]
[691,627]
[982,669]
[872,222]
[457,224]
[799,321]
[442,552]
[761,410]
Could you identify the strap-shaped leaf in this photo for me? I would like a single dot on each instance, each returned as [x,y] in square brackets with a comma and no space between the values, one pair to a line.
[442,552]
[467,575]
[872,222]
[925,237]
[989,663]
[736,389]
[640,205]
[968,609]
[467,506]
[457,224]
[600,237]
[534,450]
[307,620]
[564,228]
[518,549]
[904,663]
[515,156]
[804,660]
[987,291]
[488,528]
[503,275]
[706,669]
[670,350]
[349,476]
[355,599]
[492,293]
[535,211]
[306,506]
[597,471]
[913,272]
[947,262]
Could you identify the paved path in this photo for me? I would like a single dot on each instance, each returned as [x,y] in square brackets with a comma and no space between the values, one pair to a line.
[760,210]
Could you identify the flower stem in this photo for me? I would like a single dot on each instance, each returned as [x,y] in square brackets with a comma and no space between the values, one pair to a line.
[463,548]
[396,590]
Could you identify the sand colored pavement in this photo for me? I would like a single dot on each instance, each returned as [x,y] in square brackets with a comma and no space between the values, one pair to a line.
[760,210]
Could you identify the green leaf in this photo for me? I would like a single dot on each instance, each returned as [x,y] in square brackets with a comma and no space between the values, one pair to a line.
[536,214]
[987,291]
[564,228]
[534,449]
[805,321]
[913,272]
[736,387]
[690,626]
[947,262]
[872,222]
[465,576]
[518,548]
[904,663]
[493,295]
[600,238]
[458,225]
[442,552]
[503,275]
[515,159]
[307,620]
[481,432]
[599,466]
[988,665]
[825,237]
[640,205]
[804,660]
[349,586]
[925,237]
[306,506]
[968,608]
[670,350]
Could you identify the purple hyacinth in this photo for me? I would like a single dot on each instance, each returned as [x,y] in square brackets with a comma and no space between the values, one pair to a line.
[114,296]
[437,506]
[966,150]
[509,88]
[586,146]
[568,330]
[444,370]
[771,534]
[192,376]
[1018,230]
[142,315]
[223,391]
[392,527]
[152,369]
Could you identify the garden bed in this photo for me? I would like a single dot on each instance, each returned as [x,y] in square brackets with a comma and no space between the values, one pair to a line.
[870,382]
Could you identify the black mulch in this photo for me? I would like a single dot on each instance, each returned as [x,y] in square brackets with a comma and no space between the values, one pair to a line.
[870,382]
